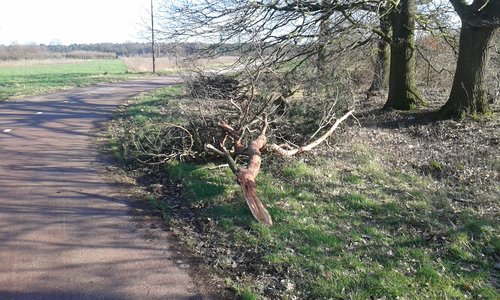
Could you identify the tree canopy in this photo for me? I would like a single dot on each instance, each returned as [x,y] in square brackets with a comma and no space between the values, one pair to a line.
[273,34]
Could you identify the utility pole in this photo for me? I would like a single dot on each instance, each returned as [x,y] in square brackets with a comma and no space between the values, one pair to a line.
[153,38]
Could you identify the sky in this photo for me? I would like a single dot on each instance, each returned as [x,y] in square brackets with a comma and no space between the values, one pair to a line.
[71,21]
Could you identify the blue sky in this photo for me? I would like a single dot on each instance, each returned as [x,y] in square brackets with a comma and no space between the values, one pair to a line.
[71,21]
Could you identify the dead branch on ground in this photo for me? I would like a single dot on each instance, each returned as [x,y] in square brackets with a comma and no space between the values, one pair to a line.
[287,150]
[246,176]
[156,144]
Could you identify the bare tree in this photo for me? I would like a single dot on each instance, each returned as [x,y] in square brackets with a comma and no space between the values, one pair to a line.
[280,40]
[284,47]
[273,33]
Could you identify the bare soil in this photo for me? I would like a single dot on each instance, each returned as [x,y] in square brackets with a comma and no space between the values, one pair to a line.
[461,155]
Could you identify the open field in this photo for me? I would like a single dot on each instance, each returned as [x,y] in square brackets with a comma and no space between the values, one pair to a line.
[357,220]
[29,77]
[144,64]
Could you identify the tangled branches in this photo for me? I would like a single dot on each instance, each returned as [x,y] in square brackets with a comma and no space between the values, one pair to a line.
[155,143]
[159,144]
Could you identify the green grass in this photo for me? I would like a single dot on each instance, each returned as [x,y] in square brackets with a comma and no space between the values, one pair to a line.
[356,244]
[362,232]
[246,294]
[37,79]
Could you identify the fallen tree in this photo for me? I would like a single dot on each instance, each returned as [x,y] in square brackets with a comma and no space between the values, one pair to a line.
[262,111]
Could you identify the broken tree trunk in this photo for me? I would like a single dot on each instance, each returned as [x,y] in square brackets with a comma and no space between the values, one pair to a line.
[246,176]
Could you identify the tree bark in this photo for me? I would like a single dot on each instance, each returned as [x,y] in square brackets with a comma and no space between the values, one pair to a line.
[246,178]
[403,93]
[382,64]
[382,61]
[480,22]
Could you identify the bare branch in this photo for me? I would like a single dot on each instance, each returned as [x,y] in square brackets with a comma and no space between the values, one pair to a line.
[284,152]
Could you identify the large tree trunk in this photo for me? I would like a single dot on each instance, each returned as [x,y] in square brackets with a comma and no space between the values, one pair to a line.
[480,22]
[382,61]
[403,93]
[468,95]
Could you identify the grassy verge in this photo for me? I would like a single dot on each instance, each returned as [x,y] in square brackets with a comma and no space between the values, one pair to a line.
[39,77]
[349,228]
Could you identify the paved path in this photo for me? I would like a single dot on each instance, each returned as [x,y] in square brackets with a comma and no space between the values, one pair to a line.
[64,232]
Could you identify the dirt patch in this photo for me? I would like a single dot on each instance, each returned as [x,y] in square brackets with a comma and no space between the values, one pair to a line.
[460,155]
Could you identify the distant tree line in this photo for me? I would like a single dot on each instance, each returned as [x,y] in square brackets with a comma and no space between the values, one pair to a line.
[103,50]
[121,49]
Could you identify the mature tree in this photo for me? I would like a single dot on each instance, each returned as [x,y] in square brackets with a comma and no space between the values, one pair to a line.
[480,22]
[403,93]
[277,38]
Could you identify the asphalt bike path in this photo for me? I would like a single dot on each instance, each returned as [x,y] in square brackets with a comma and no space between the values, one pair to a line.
[65,233]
